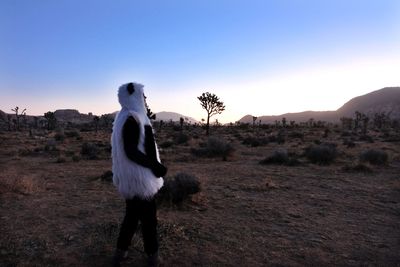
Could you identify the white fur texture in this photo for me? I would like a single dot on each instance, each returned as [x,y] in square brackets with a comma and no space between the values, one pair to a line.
[130,178]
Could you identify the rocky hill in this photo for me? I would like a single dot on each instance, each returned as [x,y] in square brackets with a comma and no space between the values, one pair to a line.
[168,116]
[384,100]
[72,115]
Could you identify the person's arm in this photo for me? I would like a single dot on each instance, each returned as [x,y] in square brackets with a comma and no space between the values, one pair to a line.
[131,134]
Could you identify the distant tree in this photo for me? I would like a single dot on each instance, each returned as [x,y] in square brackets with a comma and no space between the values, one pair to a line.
[181,121]
[51,120]
[254,121]
[106,120]
[212,104]
[9,122]
[357,120]
[347,123]
[284,122]
[96,120]
[380,120]
[18,116]
[365,120]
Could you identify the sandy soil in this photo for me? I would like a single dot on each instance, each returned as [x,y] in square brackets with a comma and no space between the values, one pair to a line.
[63,214]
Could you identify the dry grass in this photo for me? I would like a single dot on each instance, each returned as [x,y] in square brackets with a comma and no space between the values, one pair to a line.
[247,214]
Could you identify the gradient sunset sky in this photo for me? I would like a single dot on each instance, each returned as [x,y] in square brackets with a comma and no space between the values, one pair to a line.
[259,57]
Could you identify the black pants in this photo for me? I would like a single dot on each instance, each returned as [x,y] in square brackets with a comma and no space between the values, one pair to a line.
[144,211]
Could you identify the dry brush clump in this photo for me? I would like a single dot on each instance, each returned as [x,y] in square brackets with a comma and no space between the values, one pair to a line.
[360,167]
[281,157]
[374,156]
[178,188]
[214,147]
[90,150]
[255,141]
[323,154]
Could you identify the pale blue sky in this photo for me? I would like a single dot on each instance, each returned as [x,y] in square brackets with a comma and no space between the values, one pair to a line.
[260,57]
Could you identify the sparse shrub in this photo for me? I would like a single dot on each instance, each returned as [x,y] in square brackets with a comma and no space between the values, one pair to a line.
[255,141]
[72,133]
[215,147]
[89,150]
[317,142]
[366,138]
[280,157]
[349,143]
[179,188]
[281,137]
[107,176]
[357,168]
[374,156]
[181,138]
[326,133]
[59,137]
[51,147]
[24,152]
[166,144]
[346,133]
[61,160]
[296,134]
[76,158]
[321,154]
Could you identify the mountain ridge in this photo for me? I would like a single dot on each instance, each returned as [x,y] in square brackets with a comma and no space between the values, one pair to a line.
[385,100]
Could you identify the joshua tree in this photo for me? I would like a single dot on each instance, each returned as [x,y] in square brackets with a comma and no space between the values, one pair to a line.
[254,121]
[51,120]
[18,115]
[212,104]
[9,122]
[106,120]
[181,121]
[284,122]
[96,120]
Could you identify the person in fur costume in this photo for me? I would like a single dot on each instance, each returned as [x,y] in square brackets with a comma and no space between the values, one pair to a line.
[137,171]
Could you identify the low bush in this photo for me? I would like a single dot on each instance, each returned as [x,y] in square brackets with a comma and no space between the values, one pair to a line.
[280,157]
[166,144]
[72,133]
[296,134]
[374,156]
[366,138]
[357,168]
[75,158]
[107,176]
[323,154]
[60,136]
[255,141]
[181,138]
[61,160]
[215,147]
[349,143]
[89,150]
[178,188]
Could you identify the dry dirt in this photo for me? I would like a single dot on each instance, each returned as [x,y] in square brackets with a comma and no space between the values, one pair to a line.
[63,214]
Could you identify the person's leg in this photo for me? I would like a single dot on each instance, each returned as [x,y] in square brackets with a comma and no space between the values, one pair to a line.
[129,224]
[148,219]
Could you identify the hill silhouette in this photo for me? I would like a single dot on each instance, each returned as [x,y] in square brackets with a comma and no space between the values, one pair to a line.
[168,116]
[384,100]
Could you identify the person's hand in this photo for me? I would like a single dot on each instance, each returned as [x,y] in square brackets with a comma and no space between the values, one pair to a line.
[159,170]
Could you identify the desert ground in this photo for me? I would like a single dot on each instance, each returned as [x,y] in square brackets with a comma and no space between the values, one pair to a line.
[59,208]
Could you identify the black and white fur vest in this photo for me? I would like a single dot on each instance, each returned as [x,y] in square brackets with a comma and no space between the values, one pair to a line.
[131,178]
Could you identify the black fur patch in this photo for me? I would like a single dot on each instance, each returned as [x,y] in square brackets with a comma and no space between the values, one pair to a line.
[130,88]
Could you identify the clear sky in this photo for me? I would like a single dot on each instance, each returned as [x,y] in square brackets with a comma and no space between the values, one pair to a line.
[260,57]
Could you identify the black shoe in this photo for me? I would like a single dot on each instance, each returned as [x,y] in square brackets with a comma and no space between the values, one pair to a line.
[119,255]
[153,260]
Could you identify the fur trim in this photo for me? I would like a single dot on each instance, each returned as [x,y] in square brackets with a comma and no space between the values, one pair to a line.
[130,178]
